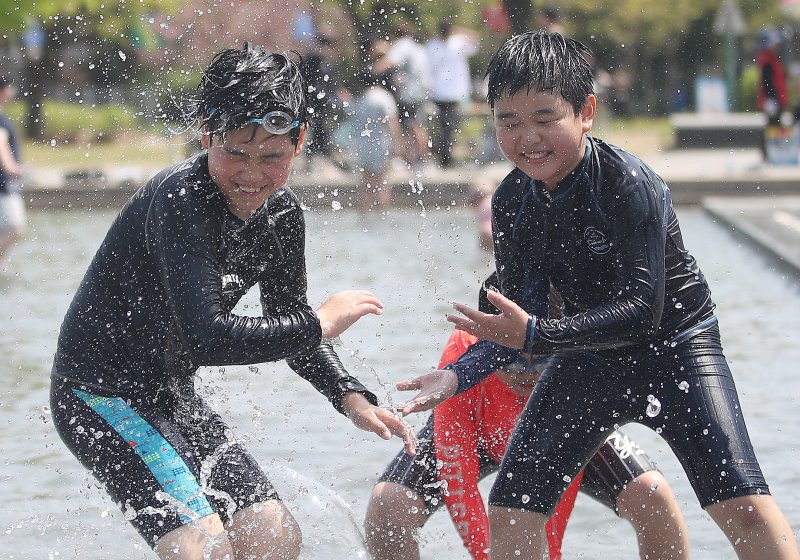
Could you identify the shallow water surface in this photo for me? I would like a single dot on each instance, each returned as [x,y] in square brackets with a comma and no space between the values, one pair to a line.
[417,261]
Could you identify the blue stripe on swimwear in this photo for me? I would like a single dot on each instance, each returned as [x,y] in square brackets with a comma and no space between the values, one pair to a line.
[169,469]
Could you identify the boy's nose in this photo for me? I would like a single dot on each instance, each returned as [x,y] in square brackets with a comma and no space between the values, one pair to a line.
[251,172]
[532,136]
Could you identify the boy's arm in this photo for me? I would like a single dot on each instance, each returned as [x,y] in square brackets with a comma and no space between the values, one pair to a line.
[183,236]
[319,365]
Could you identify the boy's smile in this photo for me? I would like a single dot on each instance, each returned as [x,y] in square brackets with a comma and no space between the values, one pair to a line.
[249,165]
[540,133]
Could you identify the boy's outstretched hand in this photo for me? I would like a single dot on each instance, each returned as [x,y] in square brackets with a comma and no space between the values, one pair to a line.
[508,328]
[434,387]
[342,309]
[379,420]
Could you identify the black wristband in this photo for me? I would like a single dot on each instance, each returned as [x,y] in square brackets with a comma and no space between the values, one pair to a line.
[529,335]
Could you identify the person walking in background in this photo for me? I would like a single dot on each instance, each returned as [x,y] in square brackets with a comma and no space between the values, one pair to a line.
[407,61]
[451,83]
[12,207]
[376,134]
[772,94]
[325,97]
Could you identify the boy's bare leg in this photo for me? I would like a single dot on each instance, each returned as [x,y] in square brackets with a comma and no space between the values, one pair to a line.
[648,503]
[394,515]
[266,531]
[203,539]
[516,534]
[756,528]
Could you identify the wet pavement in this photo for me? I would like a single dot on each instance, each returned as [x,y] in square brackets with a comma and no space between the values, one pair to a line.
[771,224]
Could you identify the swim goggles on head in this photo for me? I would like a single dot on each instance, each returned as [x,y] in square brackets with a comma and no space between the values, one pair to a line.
[277,122]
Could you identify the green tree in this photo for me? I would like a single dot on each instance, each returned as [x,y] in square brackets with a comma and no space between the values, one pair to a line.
[107,25]
[666,45]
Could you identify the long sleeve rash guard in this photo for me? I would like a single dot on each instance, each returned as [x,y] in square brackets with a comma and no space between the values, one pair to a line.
[156,302]
[481,418]
[608,241]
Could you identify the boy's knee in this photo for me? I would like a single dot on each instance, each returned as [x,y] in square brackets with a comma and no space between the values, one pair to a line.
[266,531]
[744,513]
[648,494]
[393,509]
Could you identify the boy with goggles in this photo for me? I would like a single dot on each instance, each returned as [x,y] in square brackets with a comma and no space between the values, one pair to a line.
[157,303]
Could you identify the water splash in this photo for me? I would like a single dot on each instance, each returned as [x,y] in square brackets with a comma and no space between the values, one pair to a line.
[653,406]
[329,526]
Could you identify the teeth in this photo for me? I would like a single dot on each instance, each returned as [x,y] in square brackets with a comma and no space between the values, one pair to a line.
[535,155]
[249,191]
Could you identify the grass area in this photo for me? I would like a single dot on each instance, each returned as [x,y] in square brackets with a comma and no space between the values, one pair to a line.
[640,135]
[127,149]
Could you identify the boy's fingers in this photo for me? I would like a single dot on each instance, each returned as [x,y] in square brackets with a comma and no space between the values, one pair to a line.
[408,385]
[468,312]
[500,301]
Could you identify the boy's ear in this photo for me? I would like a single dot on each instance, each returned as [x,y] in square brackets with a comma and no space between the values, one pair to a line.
[205,137]
[301,138]
[589,112]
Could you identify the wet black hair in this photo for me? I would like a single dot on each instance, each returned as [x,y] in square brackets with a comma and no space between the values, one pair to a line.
[542,61]
[243,84]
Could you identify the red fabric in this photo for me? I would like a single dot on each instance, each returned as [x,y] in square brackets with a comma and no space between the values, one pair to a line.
[768,57]
[485,415]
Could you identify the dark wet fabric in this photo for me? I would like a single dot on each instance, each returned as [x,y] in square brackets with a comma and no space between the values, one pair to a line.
[608,241]
[156,302]
[196,469]
[685,393]
[618,462]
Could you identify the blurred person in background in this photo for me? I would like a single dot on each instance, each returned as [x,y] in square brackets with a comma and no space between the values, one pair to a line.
[772,94]
[12,207]
[407,60]
[376,134]
[325,97]
[451,83]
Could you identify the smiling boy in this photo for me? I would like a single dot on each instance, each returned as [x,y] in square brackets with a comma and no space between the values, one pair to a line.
[638,340]
[157,303]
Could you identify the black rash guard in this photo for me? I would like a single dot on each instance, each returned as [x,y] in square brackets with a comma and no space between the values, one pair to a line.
[156,302]
[608,241]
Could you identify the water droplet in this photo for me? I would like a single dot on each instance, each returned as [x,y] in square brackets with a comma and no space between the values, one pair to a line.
[122,55]
[683,386]
[567,479]
[336,205]
[525,498]
[653,406]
